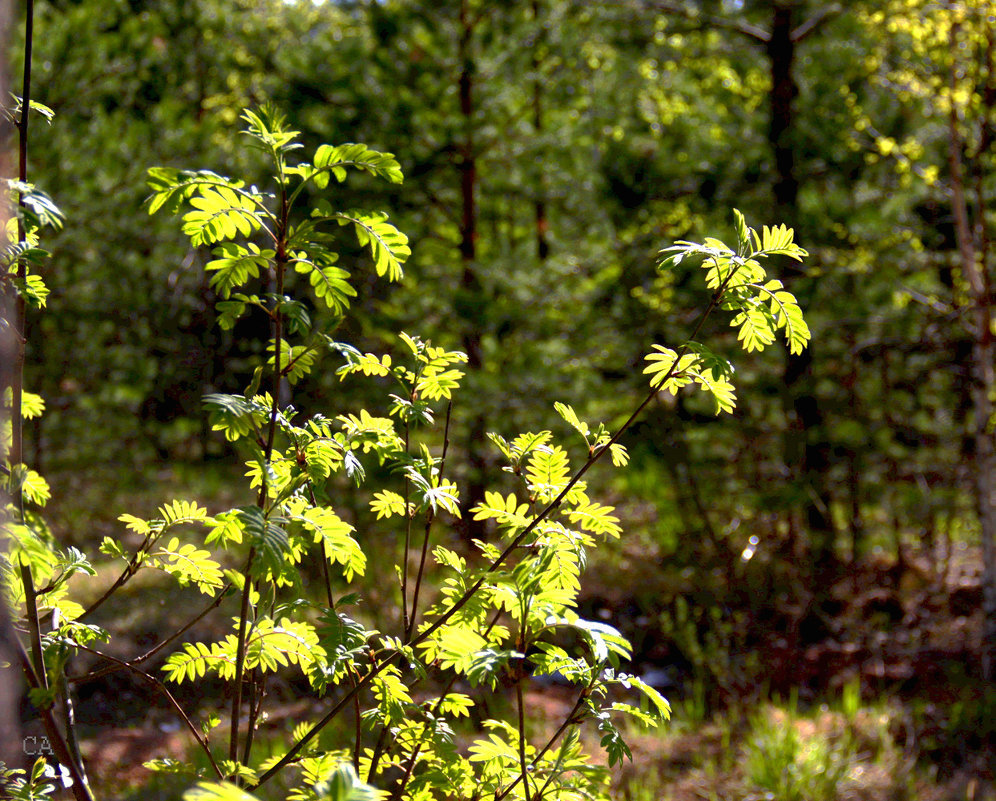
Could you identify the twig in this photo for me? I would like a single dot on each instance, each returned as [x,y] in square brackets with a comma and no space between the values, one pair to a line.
[233,743]
[162,688]
[524,768]
[34,625]
[405,619]
[80,788]
[429,517]
[133,566]
[413,758]
[568,721]
[96,674]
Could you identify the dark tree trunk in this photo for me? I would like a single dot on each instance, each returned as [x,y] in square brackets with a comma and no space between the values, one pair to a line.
[11,745]
[973,250]
[470,284]
[784,90]
[806,452]
[542,242]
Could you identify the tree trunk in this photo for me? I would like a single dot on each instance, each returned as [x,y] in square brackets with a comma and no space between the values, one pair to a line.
[542,242]
[470,284]
[806,452]
[11,745]
[973,257]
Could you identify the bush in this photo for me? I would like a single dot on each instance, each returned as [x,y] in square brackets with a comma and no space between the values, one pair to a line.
[502,617]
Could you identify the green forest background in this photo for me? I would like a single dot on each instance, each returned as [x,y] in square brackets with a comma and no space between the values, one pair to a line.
[827,535]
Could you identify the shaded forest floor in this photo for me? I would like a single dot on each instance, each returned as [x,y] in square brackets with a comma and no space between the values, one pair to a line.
[868,691]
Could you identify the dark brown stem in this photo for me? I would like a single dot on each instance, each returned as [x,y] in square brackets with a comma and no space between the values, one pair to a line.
[69,721]
[378,750]
[326,576]
[17,377]
[34,624]
[406,620]
[428,529]
[80,788]
[164,690]
[357,720]
[240,657]
[130,570]
[568,722]
[257,692]
[280,265]
[523,766]
[16,456]
[96,674]
[399,788]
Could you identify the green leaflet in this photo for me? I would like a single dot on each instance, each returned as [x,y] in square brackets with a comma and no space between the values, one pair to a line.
[269,646]
[388,246]
[336,160]
[761,308]
[217,791]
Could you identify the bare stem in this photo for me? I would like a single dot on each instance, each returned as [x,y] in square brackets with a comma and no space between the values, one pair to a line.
[164,690]
[257,692]
[405,619]
[34,624]
[17,378]
[357,720]
[96,674]
[240,658]
[568,722]
[130,570]
[280,265]
[524,767]
[428,529]
[81,790]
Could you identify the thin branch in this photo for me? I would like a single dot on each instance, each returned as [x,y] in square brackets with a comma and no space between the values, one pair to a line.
[739,26]
[550,507]
[399,788]
[379,747]
[34,624]
[814,22]
[233,743]
[428,529]
[568,722]
[16,455]
[406,620]
[326,576]
[162,688]
[133,566]
[357,720]
[523,766]
[256,697]
[80,788]
[96,674]
[278,318]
